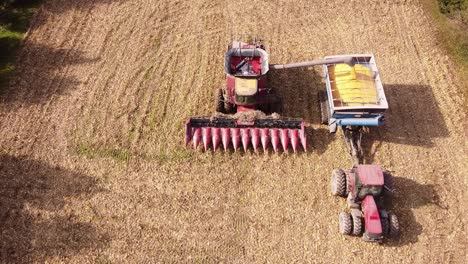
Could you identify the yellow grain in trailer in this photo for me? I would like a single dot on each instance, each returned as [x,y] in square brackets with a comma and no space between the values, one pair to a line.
[353,85]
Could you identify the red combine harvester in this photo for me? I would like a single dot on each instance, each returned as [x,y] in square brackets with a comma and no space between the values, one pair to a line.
[247,107]
[365,186]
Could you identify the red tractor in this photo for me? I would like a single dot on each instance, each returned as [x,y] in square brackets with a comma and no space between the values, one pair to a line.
[365,187]
[246,105]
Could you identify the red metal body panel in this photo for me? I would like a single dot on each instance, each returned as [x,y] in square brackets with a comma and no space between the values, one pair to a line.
[262,83]
[245,108]
[370,175]
[371,215]
[230,84]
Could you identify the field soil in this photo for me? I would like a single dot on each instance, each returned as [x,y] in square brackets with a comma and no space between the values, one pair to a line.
[92,163]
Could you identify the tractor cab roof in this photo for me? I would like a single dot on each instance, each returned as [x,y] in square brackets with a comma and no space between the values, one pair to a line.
[370,175]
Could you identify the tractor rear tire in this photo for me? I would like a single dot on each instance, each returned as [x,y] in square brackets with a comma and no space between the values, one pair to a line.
[338,183]
[345,223]
[394,225]
[349,178]
[324,108]
[219,101]
[357,225]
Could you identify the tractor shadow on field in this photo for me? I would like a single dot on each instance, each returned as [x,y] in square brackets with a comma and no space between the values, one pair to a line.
[33,225]
[298,89]
[38,75]
[413,118]
[410,195]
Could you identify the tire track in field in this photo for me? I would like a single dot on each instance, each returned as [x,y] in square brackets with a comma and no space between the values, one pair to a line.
[121,73]
[88,45]
[161,62]
[49,92]
[156,103]
[127,77]
[99,79]
[97,48]
[79,35]
[434,72]
[20,94]
[143,92]
[113,83]
[181,50]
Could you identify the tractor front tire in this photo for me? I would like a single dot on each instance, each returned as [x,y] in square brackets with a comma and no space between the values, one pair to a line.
[357,225]
[219,101]
[345,223]
[338,183]
[388,183]
[385,226]
[394,225]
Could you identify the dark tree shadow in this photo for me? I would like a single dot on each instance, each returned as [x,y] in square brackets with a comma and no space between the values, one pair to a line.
[37,76]
[63,6]
[31,193]
[410,195]
[19,15]
[413,118]
[16,14]
[40,63]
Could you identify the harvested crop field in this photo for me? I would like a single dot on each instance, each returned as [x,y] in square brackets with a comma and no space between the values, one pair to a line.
[92,164]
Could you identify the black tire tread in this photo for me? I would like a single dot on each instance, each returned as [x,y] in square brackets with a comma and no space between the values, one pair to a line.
[388,183]
[339,180]
[219,101]
[394,225]
[228,106]
[385,226]
[345,221]
[357,225]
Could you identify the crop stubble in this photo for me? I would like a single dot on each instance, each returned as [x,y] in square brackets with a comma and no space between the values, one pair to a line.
[97,78]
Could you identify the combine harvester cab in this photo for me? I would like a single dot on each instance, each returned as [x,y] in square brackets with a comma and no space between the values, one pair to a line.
[246,108]
[354,99]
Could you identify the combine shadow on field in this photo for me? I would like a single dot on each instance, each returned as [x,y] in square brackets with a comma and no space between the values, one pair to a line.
[29,189]
[298,89]
[38,75]
[410,195]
